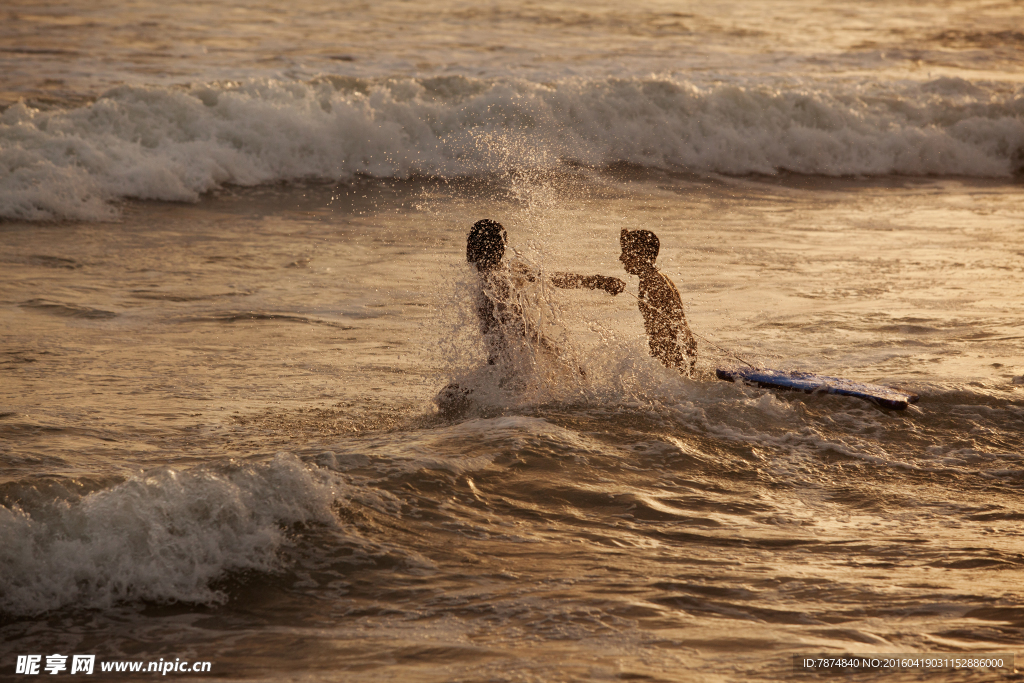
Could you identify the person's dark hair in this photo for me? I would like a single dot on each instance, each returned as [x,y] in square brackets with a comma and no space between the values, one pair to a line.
[643,243]
[485,245]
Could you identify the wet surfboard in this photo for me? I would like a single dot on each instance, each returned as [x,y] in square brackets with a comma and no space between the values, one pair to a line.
[811,383]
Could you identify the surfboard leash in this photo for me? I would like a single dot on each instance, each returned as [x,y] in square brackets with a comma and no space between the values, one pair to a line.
[728,353]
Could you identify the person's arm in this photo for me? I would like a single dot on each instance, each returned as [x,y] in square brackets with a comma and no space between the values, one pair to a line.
[612,285]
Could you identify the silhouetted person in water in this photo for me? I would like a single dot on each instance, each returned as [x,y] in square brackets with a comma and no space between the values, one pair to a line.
[501,317]
[500,314]
[659,302]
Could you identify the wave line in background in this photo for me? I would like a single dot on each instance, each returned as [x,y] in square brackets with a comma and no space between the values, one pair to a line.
[176,143]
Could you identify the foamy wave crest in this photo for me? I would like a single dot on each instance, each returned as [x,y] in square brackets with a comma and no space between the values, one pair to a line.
[176,143]
[164,536]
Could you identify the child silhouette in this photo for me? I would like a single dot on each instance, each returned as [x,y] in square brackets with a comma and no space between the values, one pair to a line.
[501,316]
[659,302]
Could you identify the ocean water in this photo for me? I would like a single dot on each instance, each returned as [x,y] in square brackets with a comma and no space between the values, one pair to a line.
[232,246]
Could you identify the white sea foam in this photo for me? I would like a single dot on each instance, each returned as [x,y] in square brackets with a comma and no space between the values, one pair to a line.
[177,143]
[163,536]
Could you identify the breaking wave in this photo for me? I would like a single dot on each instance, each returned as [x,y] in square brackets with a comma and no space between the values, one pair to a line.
[164,536]
[176,143]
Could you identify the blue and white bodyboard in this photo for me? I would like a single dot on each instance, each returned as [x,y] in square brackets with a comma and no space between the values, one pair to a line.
[810,383]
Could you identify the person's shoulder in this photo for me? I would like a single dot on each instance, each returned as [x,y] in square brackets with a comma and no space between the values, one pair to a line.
[669,291]
[667,280]
[659,280]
